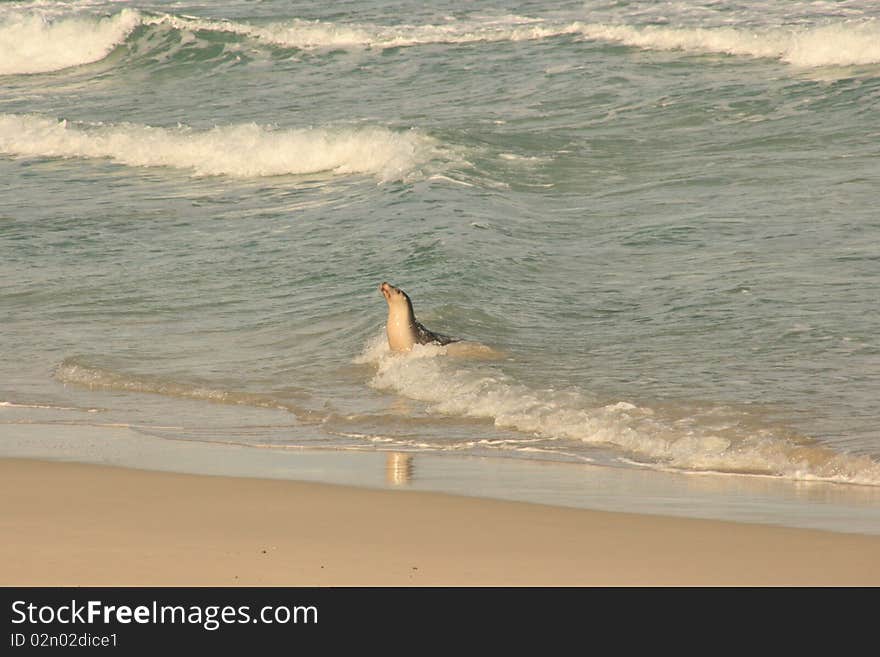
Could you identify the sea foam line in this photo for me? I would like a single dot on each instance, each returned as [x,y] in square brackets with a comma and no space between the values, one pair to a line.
[48,407]
[38,41]
[247,150]
[72,371]
[33,42]
[833,44]
[634,431]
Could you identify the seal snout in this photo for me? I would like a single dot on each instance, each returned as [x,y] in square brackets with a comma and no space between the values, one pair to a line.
[390,292]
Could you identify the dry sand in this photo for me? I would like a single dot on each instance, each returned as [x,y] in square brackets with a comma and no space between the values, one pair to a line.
[74,524]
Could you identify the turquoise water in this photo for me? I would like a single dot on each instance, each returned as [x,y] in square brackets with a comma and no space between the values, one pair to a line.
[663,216]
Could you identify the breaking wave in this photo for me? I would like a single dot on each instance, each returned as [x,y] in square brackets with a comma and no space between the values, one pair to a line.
[297,33]
[247,150]
[837,44]
[36,41]
[32,42]
[834,44]
[713,440]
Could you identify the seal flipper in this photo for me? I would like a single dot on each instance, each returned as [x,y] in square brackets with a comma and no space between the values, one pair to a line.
[424,336]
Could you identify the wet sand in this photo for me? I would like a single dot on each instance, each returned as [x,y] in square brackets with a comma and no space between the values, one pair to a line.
[77,524]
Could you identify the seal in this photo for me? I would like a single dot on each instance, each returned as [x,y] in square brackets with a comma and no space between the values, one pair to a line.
[402,328]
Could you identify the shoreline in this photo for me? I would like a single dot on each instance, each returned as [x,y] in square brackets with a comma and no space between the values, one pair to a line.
[82,524]
[776,502]
[768,501]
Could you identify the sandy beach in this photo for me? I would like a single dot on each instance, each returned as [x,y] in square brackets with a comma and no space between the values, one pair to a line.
[76,524]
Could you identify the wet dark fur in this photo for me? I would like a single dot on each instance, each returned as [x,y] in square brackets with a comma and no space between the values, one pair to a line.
[423,335]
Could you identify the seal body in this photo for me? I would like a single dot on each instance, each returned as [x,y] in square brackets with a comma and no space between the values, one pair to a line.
[402,328]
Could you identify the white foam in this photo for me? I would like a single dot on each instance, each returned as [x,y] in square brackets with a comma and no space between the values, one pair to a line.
[451,387]
[40,40]
[34,42]
[48,407]
[247,150]
[835,44]
[841,43]
[303,34]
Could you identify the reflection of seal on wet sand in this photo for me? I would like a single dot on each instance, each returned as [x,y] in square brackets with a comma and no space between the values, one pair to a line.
[398,469]
[403,329]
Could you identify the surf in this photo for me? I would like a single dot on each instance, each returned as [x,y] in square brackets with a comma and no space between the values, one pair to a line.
[34,42]
[832,44]
[717,440]
[242,151]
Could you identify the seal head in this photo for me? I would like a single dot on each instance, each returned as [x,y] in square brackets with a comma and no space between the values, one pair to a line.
[402,327]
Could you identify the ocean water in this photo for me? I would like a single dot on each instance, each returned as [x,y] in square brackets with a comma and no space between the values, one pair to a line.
[663,217]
